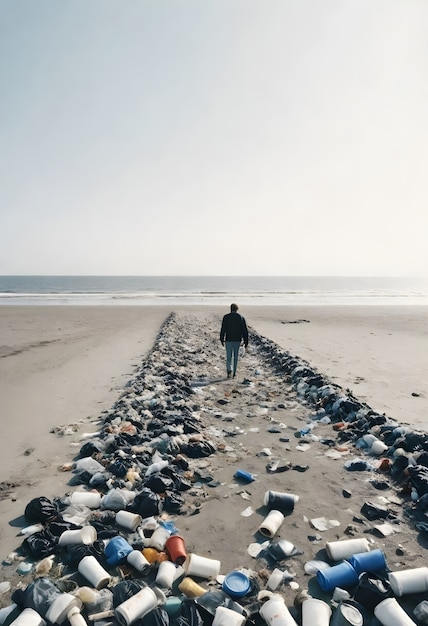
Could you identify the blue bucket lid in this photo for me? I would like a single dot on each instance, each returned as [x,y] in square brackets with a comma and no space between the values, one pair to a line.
[236,584]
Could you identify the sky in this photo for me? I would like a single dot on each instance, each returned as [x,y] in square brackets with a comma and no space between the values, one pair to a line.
[214,137]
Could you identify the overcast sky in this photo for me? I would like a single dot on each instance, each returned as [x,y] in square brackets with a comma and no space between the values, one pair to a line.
[269,137]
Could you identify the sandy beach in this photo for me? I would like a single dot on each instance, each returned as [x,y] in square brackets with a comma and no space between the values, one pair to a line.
[61,367]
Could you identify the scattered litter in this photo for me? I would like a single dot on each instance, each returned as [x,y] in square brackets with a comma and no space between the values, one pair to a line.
[247,512]
[322,523]
[303,447]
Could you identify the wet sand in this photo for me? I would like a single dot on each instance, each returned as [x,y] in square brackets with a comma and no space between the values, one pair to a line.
[61,367]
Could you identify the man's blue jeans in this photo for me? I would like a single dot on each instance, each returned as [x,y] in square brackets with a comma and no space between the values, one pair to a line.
[232,350]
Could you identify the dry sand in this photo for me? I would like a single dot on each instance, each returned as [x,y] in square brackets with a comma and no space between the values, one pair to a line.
[62,366]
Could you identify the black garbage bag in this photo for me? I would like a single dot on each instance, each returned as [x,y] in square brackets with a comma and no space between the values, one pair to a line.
[41,544]
[39,595]
[146,503]
[419,478]
[157,617]
[374,511]
[158,483]
[173,502]
[371,590]
[198,449]
[125,589]
[89,448]
[118,468]
[41,510]
[190,615]
[74,553]
[56,528]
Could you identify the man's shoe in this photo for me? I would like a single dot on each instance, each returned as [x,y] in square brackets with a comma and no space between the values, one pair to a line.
[229,374]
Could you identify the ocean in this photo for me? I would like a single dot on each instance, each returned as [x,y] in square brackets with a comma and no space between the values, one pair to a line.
[211,290]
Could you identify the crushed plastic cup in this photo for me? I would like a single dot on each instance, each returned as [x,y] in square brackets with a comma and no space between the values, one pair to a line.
[166,574]
[85,535]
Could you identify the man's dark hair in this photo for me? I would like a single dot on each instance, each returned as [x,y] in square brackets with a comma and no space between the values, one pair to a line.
[233,307]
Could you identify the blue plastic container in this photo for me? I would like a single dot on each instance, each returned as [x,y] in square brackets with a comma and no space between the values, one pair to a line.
[236,584]
[341,575]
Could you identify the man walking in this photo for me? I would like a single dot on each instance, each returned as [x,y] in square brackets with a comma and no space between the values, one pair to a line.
[233,330]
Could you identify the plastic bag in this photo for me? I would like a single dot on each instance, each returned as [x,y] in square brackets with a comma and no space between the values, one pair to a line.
[157,617]
[125,589]
[41,544]
[41,510]
[146,503]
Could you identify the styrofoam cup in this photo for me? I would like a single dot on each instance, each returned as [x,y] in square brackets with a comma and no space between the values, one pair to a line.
[28,617]
[166,574]
[226,617]
[409,581]
[201,566]
[158,539]
[85,535]
[315,613]
[339,550]
[94,572]
[91,499]
[378,447]
[390,613]
[128,520]
[137,559]
[138,605]
[271,524]
[275,613]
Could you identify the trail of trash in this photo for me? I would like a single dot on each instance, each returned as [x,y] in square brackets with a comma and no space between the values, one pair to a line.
[201,500]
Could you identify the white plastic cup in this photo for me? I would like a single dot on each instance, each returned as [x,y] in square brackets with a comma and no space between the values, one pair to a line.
[91,499]
[94,573]
[201,566]
[275,613]
[85,535]
[339,550]
[378,447]
[390,613]
[226,617]
[315,613]
[137,559]
[275,579]
[408,581]
[28,617]
[138,605]
[166,574]
[158,539]
[271,524]
[128,520]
